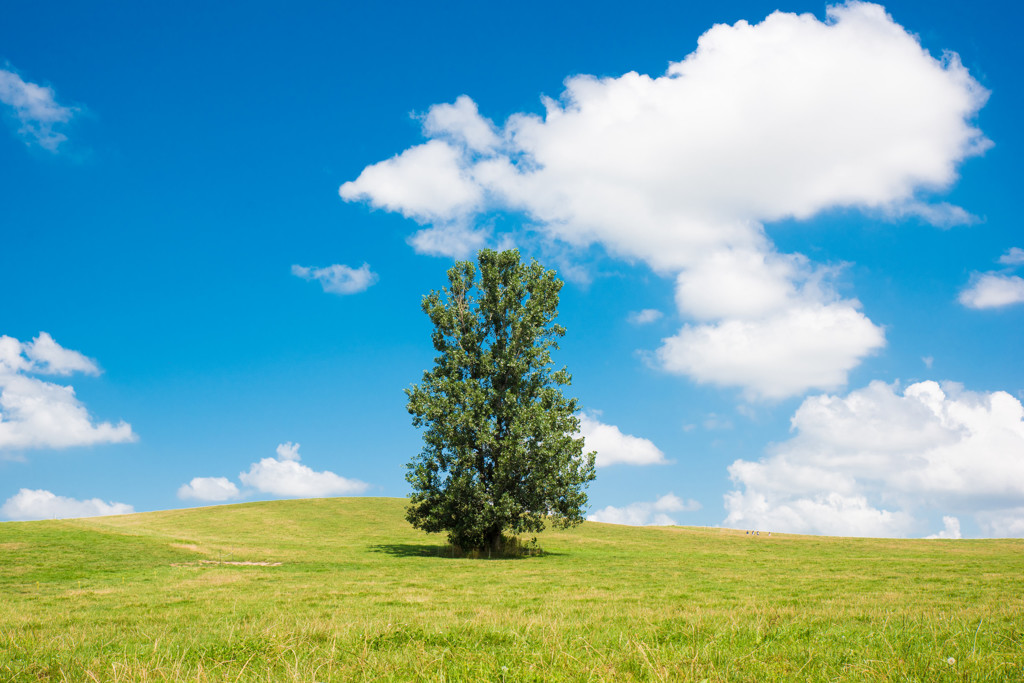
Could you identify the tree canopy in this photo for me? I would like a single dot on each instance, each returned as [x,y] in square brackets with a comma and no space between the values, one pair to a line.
[502,454]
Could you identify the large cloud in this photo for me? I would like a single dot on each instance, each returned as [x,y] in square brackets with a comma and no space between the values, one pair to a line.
[785,118]
[286,476]
[39,414]
[36,109]
[878,461]
[30,504]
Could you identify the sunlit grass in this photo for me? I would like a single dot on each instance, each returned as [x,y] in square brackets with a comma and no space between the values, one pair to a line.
[359,595]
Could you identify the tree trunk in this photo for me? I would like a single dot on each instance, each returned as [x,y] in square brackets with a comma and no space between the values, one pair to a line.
[494,541]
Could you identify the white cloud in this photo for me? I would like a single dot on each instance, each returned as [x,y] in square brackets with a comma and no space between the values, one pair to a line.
[288,451]
[462,122]
[339,279]
[30,504]
[209,488]
[714,422]
[39,414]
[1008,523]
[782,119]
[870,463]
[644,513]
[993,290]
[426,183]
[830,514]
[784,355]
[286,476]
[36,110]
[455,240]
[1013,257]
[645,317]
[615,448]
[50,358]
[951,528]
[941,215]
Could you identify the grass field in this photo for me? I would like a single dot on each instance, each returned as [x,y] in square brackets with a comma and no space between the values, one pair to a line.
[359,595]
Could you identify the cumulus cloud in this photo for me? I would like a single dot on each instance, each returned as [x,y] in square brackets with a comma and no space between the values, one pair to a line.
[426,183]
[214,489]
[941,215]
[781,119]
[49,357]
[38,414]
[288,451]
[646,513]
[645,317]
[1013,257]
[36,110]
[951,528]
[993,290]
[1007,523]
[339,279]
[30,504]
[462,123]
[615,448]
[286,476]
[780,356]
[456,240]
[872,462]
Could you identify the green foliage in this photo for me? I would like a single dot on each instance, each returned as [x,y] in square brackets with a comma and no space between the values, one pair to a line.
[500,454]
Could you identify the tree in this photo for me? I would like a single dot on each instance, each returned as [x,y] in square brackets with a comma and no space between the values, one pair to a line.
[501,452]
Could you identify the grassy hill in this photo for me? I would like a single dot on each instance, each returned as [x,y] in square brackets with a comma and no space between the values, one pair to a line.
[346,590]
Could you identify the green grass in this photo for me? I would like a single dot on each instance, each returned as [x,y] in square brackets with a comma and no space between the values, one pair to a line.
[359,595]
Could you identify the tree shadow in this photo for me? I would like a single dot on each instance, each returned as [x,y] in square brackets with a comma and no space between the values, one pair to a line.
[448,552]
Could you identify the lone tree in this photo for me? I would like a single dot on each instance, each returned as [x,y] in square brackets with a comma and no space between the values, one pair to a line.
[501,454]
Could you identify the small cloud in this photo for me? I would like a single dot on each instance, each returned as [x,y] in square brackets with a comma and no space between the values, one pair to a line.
[615,448]
[213,489]
[747,411]
[644,317]
[461,122]
[50,358]
[454,240]
[36,109]
[646,513]
[339,279]
[951,530]
[1013,257]
[39,414]
[30,504]
[286,476]
[928,361]
[715,422]
[288,451]
[942,215]
[993,290]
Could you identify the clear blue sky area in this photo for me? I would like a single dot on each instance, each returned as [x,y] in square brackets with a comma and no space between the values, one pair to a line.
[792,250]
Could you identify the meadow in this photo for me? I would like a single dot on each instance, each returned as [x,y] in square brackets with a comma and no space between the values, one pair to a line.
[343,589]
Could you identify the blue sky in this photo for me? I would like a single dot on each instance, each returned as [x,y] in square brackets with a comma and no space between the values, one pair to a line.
[793,259]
